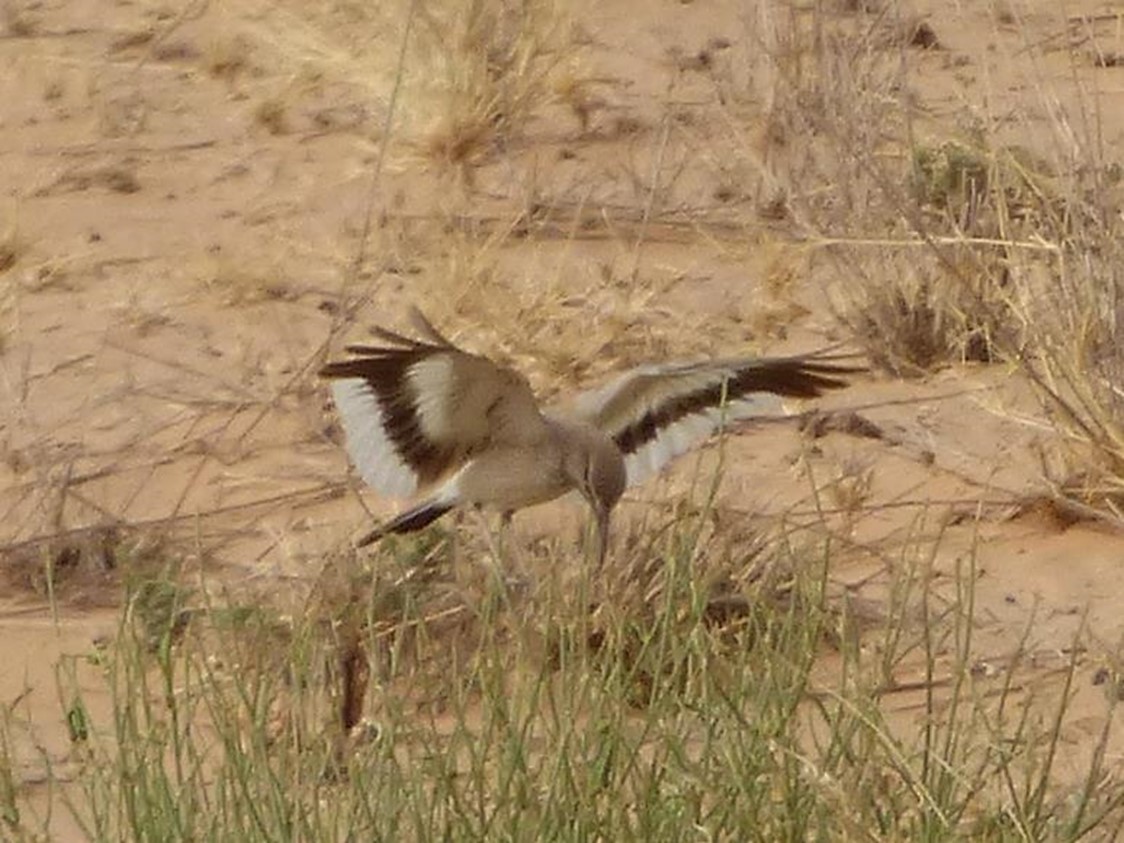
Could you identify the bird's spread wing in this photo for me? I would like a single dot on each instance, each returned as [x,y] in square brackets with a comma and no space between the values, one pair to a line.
[413,411]
[655,413]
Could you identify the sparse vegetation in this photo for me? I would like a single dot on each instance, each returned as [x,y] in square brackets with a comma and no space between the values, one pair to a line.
[691,695]
[271,113]
[240,281]
[1003,256]
[992,251]
[12,249]
[12,246]
[54,90]
[228,58]
[506,66]
[803,653]
[19,20]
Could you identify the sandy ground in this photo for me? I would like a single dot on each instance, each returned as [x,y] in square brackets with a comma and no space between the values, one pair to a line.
[182,233]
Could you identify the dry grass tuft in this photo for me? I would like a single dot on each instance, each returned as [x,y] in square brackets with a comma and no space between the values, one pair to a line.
[272,113]
[228,58]
[12,247]
[578,93]
[927,316]
[131,41]
[1076,362]
[570,330]
[976,214]
[84,568]
[949,250]
[1060,270]
[175,51]
[242,280]
[430,606]
[499,65]
[19,19]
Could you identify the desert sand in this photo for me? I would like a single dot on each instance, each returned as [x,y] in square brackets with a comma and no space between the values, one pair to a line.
[203,202]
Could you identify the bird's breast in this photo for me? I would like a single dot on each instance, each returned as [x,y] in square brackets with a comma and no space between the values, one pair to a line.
[515,477]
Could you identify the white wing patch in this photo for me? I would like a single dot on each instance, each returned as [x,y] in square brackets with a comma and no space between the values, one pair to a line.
[686,433]
[432,382]
[372,452]
[589,403]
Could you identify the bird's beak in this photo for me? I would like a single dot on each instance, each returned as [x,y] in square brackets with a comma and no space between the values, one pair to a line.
[602,513]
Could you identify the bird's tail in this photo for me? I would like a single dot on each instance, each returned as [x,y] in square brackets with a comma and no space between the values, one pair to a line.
[413,519]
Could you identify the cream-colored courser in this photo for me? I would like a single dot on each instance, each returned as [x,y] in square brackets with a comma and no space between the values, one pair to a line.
[424,416]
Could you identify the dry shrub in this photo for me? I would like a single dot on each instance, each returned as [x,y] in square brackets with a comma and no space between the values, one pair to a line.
[430,606]
[86,567]
[921,236]
[976,248]
[272,113]
[913,310]
[821,94]
[985,190]
[974,219]
[242,279]
[493,66]
[830,94]
[1047,236]
[567,329]
[19,20]
[12,246]
[1075,359]
[470,76]
[228,58]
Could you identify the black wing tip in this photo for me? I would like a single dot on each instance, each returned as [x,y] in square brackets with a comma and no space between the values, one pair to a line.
[409,521]
[353,368]
[820,373]
[423,326]
[812,383]
[331,371]
[398,347]
[364,355]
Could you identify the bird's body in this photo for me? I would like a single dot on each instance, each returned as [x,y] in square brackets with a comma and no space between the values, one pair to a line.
[513,477]
[427,416]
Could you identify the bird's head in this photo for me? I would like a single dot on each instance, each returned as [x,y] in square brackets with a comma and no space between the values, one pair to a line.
[596,469]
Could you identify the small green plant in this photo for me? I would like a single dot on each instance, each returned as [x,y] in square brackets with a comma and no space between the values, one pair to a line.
[9,786]
[685,690]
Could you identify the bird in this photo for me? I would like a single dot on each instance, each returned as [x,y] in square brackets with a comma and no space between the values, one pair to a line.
[423,417]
